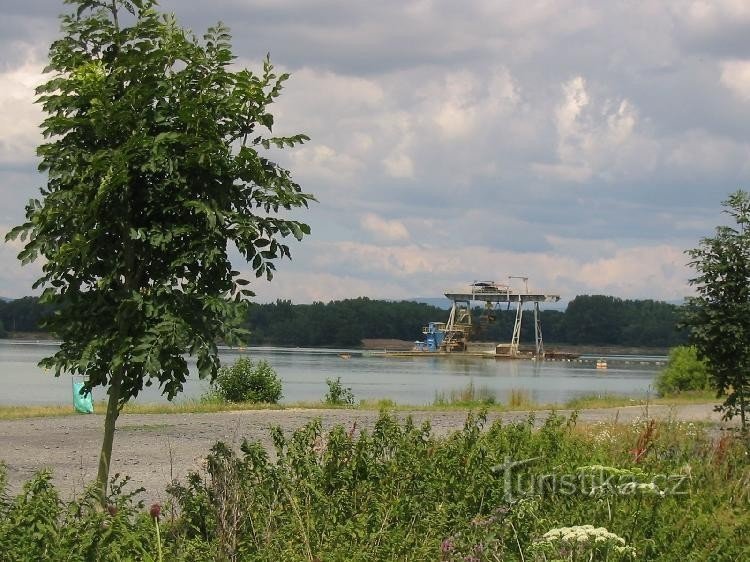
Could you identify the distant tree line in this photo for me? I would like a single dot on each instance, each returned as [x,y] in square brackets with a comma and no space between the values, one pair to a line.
[338,323]
[587,320]
[22,315]
[596,320]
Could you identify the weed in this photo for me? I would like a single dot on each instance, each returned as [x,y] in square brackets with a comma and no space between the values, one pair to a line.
[519,398]
[338,394]
[468,396]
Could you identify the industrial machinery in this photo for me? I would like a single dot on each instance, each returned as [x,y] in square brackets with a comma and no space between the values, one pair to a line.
[454,335]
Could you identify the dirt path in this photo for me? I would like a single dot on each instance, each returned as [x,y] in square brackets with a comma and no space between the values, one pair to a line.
[155,448]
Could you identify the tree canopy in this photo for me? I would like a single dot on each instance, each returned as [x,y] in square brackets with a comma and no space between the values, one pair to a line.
[718,317]
[155,175]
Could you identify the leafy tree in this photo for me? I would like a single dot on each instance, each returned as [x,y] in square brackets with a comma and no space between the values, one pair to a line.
[594,319]
[719,316]
[684,371]
[154,173]
[3,333]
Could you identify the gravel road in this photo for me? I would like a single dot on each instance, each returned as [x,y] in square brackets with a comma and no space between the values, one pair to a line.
[155,448]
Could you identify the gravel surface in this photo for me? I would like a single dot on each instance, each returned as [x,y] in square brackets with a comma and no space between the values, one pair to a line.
[155,448]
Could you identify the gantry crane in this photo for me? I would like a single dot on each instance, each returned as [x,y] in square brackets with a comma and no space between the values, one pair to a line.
[459,328]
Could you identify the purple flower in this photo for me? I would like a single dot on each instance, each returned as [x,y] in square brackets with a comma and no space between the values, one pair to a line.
[447,545]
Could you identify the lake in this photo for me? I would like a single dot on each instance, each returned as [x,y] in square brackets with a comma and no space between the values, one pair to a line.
[406,380]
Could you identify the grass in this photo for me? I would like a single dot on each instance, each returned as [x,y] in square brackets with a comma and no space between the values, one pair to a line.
[591,401]
[470,396]
[21,411]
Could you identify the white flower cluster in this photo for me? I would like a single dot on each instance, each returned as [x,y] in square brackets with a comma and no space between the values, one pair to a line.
[627,489]
[602,433]
[582,533]
[640,488]
[602,470]
[586,535]
[604,437]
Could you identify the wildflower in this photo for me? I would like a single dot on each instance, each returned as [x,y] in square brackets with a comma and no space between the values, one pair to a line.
[583,536]
[155,511]
[447,545]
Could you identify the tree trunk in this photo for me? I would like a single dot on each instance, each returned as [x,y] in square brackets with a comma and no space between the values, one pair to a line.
[113,410]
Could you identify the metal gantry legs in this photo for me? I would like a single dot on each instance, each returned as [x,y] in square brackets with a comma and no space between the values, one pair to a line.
[514,341]
[538,332]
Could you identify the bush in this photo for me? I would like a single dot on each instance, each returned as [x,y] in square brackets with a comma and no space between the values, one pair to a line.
[337,394]
[684,371]
[245,381]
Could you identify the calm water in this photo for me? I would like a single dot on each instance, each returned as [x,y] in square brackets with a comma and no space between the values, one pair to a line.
[411,380]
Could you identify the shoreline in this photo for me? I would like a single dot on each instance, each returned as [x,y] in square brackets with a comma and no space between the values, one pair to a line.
[153,449]
[190,406]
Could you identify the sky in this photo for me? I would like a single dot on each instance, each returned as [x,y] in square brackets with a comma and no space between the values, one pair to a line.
[581,143]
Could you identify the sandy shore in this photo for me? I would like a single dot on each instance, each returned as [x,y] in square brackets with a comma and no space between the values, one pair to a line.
[155,448]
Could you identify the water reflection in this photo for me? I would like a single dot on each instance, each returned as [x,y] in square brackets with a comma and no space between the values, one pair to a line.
[412,380]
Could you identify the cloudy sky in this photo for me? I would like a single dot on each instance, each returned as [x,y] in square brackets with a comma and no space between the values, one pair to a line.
[585,144]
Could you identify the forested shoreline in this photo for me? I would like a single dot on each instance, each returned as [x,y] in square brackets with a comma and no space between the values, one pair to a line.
[587,320]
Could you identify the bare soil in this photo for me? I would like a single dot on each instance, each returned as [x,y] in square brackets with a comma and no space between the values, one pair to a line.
[154,449]
[388,344]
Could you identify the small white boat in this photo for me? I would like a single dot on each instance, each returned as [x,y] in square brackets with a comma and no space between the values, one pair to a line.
[601,364]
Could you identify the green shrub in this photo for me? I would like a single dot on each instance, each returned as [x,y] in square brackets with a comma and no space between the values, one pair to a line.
[37,525]
[245,381]
[338,394]
[684,371]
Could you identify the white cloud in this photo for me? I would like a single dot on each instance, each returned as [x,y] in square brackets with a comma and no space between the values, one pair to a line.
[20,116]
[597,139]
[735,75]
[711,15]
[399,166]
[567,114]
[319,162]
[700,153]
[382,229]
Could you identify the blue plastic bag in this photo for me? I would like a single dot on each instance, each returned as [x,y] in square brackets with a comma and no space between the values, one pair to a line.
[83,403]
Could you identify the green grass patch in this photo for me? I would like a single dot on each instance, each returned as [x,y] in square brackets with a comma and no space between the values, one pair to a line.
[461,399]
[42,411]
